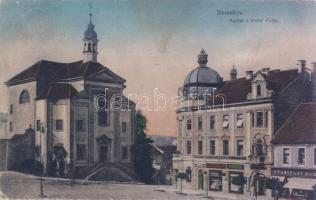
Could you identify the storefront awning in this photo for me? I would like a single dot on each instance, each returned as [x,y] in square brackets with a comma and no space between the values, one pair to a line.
[300,183]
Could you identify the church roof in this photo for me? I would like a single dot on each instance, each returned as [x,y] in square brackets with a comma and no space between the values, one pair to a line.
[59,91]
[236,91]
[300,127]
[55,71]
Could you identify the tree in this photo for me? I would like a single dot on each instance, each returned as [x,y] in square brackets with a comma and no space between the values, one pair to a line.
[141,150]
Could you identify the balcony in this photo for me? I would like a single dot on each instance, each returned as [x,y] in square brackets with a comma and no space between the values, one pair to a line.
[220,157]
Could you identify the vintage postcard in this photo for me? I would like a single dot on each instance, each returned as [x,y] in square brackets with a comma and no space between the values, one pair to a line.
[157,99]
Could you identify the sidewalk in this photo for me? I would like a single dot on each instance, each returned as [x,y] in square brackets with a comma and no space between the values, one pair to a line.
[211,194]
[2,196]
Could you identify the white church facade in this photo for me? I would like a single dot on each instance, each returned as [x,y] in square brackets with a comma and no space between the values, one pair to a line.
[60,102]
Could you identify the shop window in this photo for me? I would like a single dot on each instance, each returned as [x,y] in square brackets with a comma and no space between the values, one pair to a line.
[236,188]
[215,181]
[212,122]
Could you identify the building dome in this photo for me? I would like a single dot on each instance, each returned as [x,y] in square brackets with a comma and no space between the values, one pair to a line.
[90,33]
[202,79]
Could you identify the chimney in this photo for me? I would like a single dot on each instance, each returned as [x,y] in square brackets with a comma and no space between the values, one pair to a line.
[301,65]
[265,71]
[249,75]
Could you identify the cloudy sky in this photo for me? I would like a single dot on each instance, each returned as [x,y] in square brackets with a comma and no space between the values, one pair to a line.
[154,43]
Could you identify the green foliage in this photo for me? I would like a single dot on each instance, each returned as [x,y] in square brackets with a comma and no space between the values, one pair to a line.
[141,150]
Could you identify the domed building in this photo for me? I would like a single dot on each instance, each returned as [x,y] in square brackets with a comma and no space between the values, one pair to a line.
[202,80]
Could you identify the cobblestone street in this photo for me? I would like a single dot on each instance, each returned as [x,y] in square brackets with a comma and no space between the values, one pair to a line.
[16,185]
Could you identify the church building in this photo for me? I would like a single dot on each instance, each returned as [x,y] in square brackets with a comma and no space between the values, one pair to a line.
[79,106]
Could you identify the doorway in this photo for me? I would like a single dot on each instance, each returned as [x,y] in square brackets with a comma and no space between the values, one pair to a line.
[200,180]
[104,150]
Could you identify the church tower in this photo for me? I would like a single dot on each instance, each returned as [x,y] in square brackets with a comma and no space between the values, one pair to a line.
[90,42]
[233,73]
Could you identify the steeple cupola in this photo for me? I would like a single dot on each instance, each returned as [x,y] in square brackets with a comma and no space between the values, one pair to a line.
[90,42]
[202,58]
[233,73]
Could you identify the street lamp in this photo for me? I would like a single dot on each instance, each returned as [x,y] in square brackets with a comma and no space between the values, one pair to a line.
[41,161]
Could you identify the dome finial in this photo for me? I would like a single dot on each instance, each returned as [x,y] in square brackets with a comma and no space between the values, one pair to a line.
[202,58]
[90,14]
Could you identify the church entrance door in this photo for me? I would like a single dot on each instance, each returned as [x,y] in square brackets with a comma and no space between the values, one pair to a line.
[104,153]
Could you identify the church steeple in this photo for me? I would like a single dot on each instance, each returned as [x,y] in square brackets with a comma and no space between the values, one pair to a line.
[90,42]
[233,73]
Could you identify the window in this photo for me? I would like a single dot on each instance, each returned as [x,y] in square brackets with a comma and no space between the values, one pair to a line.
[225,147]
[188,173]
[59,125]
[253,119]
[225,121]
[301,156]
[80,125]
[11,126]
[200,123]
[212,122]
[212,147]
[189,124]
[89,46]
[24,97]
[189,147]
[102,112]
[124,153]
[81,152]
[200,147]
[266,119]
[315,156]
[286,156]
[259,148]
[259,119]
[258,90]
[124,127]
[240,148]
[38,125]
[11,109]
[240,120]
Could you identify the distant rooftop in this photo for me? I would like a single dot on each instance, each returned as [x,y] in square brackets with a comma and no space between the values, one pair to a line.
[160,140]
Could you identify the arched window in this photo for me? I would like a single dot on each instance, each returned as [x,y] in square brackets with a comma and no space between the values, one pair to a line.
[24,97]
[259,147]
[258,90]
[89,47]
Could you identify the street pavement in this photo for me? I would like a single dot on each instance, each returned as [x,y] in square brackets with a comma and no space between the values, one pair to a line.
[15,185]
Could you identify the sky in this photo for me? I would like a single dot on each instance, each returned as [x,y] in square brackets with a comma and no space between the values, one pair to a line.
[154,44]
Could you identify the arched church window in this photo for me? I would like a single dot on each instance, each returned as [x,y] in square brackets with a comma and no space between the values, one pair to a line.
[258,90]
[24,97]
[89,47]
[85,47]
[259,147]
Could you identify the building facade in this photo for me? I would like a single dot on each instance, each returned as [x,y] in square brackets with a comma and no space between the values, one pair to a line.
[295,152]
[79,106]
[225,127]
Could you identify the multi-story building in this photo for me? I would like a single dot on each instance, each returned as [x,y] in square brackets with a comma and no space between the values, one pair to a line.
[79,106]
[295,152]
[225,127]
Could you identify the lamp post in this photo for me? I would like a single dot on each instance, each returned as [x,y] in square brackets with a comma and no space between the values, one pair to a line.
[41,161]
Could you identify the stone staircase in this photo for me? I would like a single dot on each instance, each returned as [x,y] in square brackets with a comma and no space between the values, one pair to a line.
[110,171]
